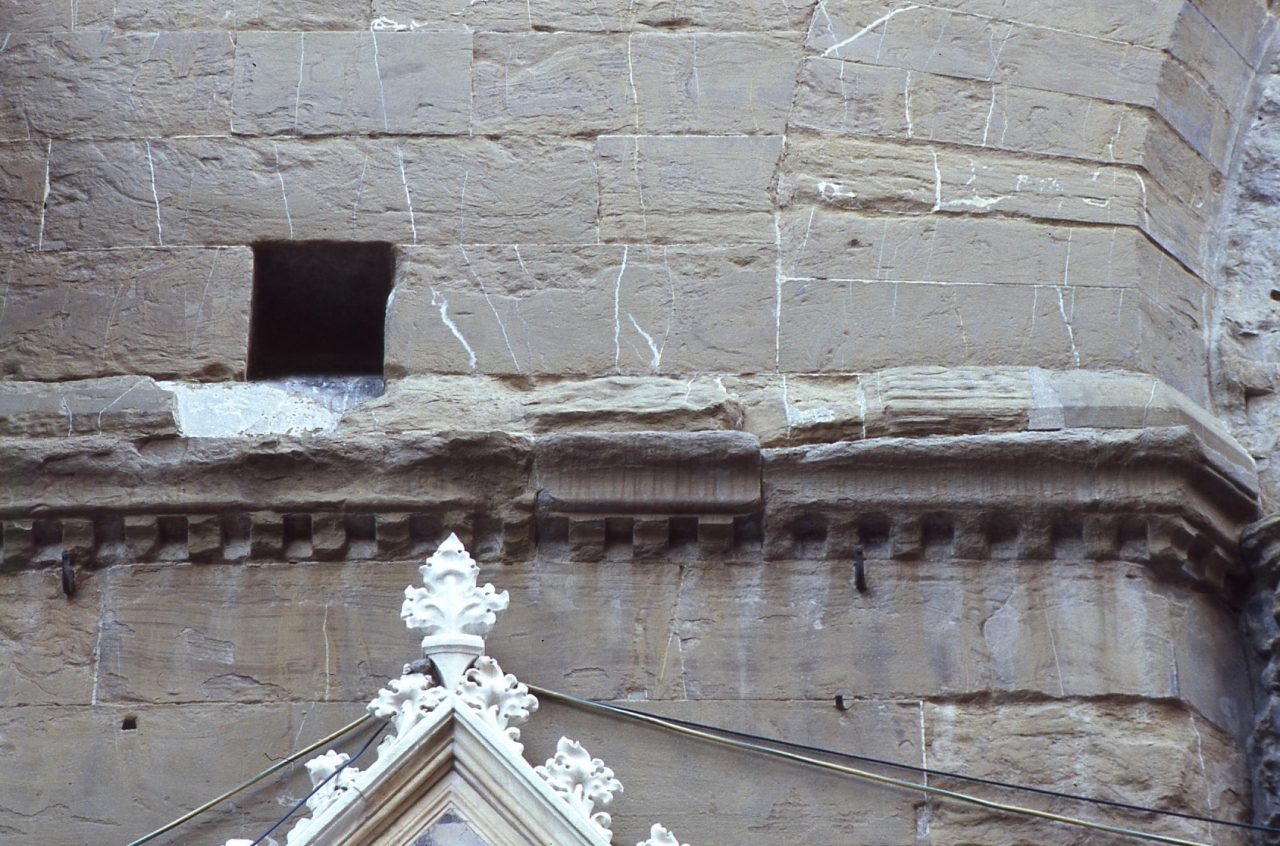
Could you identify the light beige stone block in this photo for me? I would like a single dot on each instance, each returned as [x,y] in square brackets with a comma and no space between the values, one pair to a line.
[823,243]
[930,39]
[107,85]
[162,313]
[852,173]
[233,191]
[629,309]
[551,83]
[711,83]
[860,99]
[325,83]
[515,190]
[687,189]
[852,327]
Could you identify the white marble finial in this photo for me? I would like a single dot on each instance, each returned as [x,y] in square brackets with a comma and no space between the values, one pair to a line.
[453,614]
[584,782]
[660,836]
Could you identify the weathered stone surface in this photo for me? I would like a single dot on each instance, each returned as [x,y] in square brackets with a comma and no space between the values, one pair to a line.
[695,472]
[132,405]
[914,401]
[475,474]
[508,310]
[946,248]
[163,313]
[551,83]
[177,758]
[194,191]
[142,84]
[711,83]
[20,16]
[941,41]
[22,183]
[677,189]
[438,403]
[835,95]
[48,658]
[853,173]
[755,797]
[325,83]
[632,404]
[1158,755]
[608,16]
[290,15]
[941,628]
[220,190]
[853,326]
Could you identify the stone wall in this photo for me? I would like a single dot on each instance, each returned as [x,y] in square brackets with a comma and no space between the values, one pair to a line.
[692,300]
[846,186]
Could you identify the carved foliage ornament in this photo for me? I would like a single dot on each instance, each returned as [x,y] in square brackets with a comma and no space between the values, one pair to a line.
[584,782]
[455,615]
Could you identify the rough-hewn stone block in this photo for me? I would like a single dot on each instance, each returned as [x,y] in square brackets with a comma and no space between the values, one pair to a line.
[49,639]
[290,15]
[554,83]
[324,83]
[21,16]
[22,183]
[976,47]
[1167,756]
[158,83]
[166,313]
[123,404]
[711,83]
[849,173]
[835,95]
[823,242]
[680,189]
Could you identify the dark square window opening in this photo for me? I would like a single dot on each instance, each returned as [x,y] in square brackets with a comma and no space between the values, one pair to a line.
[319,308]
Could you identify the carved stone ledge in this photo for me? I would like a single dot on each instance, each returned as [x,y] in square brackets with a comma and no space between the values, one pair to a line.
[1159,497]
[1152,497]
[235,537]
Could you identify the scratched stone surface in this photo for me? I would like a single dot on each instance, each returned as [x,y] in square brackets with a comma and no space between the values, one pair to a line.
[803,221]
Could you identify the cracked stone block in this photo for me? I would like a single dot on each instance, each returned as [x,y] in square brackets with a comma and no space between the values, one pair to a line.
[328,536]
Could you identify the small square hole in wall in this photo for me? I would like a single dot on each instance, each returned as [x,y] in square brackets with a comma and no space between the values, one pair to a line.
[319,308]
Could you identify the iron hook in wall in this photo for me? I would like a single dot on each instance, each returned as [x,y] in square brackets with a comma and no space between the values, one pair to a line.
[68,575]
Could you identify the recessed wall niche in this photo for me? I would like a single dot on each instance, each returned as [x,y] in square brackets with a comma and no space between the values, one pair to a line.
[319,308]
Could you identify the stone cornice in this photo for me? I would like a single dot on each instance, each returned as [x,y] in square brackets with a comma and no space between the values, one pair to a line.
[1156,496]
